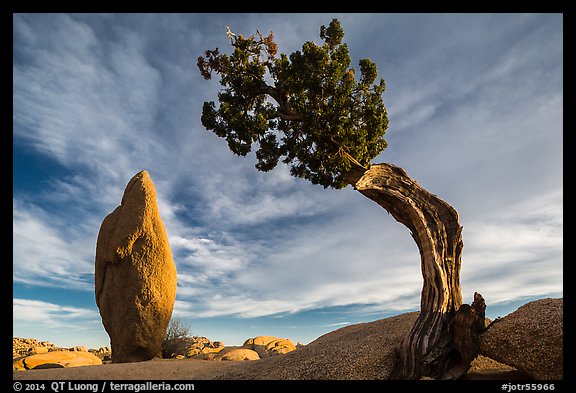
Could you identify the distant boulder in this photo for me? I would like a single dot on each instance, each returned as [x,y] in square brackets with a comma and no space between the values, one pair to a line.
[38,350]
[135,274]
[269,345]
[240,354]
[279,347]
[529,339]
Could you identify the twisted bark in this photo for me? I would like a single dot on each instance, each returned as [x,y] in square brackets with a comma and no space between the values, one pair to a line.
[428,349]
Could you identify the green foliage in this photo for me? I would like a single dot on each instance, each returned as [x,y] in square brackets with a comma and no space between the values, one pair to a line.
[314,114]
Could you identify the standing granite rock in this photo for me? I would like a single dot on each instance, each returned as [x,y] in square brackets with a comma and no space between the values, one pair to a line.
[135,274]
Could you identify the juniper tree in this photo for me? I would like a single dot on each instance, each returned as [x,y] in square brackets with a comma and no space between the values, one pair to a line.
[313,111]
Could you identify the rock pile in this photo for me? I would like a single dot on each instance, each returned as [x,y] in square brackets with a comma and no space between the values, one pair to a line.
[104,353]
[203,346]
[253,348]
[29,346]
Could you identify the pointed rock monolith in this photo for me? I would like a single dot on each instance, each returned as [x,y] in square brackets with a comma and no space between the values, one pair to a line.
[135,274]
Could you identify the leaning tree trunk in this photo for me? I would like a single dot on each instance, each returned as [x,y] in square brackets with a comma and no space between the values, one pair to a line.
[427,350]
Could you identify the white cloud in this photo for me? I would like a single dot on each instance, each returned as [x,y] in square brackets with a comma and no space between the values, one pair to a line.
[337,324]
[516,251]
[240,195]
[413,117]
[63,325]
[49,313]
[43,256]
[208,256]
[182,309]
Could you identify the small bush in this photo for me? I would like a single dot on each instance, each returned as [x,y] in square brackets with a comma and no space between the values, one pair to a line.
[177,338]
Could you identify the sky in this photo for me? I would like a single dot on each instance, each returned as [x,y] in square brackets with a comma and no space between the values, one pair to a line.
[475,104]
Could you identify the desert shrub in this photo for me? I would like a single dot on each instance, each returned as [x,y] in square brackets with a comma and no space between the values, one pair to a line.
[177,338]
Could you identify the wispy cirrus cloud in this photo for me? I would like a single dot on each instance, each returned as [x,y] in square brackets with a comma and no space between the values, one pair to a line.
[78,100]
[44,255]
[50,314]
[59,323]
[517,249]
[337,324]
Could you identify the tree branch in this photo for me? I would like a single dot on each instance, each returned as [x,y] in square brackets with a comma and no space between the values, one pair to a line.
[286,116]
[345,154]
[284,111]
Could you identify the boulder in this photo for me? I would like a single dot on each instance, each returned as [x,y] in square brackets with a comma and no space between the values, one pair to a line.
[135,274]
[259,340]
[280,347]
[18,364]
[269,345]
[57,359]
[38,350]
[240,354]
[530,339]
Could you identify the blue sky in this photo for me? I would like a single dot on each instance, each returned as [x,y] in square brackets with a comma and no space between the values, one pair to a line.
[475,103]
